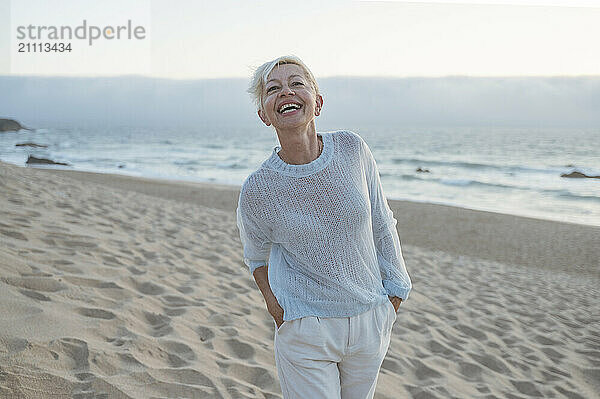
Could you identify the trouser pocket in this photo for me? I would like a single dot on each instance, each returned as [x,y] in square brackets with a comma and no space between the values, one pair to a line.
[393,310]
[282,327]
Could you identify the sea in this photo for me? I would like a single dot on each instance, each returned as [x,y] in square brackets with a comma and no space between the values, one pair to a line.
[507,170]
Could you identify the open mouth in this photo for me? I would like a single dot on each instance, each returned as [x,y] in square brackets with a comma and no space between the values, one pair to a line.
[289,108]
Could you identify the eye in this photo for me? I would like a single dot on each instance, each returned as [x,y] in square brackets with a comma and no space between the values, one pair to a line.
[298,83]
[271,88]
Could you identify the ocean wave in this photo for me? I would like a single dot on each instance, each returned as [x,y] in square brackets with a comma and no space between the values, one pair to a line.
[563,193]
[570,195]
[458,182]
[453,182]
[186,162]
[403,177]
[231,165]
[480,166]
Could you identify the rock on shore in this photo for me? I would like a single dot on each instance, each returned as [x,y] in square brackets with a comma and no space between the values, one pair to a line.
[30,144]
[11,125]
[34,160]
[578,175]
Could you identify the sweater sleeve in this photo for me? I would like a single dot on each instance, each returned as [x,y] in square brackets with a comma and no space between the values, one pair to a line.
[396,280]
[255,241]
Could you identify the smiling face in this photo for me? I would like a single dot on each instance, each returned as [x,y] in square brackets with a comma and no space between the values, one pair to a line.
[289,101]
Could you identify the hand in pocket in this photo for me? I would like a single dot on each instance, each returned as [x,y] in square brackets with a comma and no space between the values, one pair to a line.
[395,301]
[276,312]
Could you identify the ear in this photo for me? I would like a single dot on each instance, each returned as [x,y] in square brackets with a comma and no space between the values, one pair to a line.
[319,105]
[263,117]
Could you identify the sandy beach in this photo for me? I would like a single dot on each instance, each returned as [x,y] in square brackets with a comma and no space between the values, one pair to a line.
[123,287]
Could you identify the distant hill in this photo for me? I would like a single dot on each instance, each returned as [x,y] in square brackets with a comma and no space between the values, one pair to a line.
[349,101]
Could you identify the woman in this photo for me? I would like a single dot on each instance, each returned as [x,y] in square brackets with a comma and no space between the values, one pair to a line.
[315,209]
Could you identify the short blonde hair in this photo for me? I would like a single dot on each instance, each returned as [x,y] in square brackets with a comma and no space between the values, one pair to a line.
[259,78]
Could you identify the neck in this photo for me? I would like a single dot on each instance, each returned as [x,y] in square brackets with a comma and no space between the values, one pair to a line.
[299,145]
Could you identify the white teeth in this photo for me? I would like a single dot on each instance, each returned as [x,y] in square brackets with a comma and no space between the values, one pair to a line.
[292,107]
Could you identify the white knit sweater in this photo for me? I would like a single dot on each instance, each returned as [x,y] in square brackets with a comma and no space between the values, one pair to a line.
[325,228]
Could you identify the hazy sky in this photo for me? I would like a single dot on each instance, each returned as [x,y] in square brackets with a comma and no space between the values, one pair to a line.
[212,39]
[349,102]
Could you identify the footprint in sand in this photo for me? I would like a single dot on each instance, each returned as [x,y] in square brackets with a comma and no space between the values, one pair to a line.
[185,289]
[471,371]
[174,311]
[553,354]
[527,388]
[139,261]
[148,288]
[491,363]
[391,365]
[205,333]
[36,251]
[44,284]
[236,390]
[149,255]
[85,376]
[80,244]
[86,387]
[66,266]
[90,282]
[74,348]
[546,341]
[175,301]
[471,332]
[178,348]
[111,261]
[424,372]
[72,241]
[567,393]
[96,313]
[255,375]
[434,392]
[235,348]
[13,345]
[438,348]
[160,324]
[32,214]
[48,241]
[220,319]
[136,271]
[118,342]
[22,222]
[34,295]
[125,251]
[14,234]
[230,331]
[182,376]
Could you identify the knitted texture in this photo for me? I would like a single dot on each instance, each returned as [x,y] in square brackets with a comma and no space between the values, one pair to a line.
[325,231]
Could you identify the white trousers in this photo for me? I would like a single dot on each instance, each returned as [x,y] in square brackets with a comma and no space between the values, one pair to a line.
[333,357]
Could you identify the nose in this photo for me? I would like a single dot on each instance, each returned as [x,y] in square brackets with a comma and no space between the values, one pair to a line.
[287,90]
